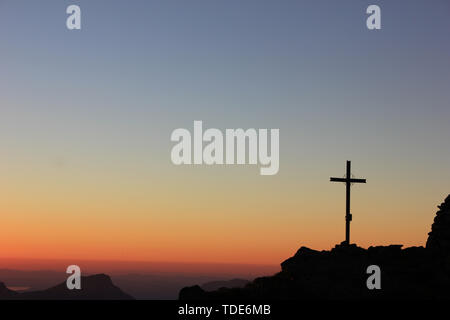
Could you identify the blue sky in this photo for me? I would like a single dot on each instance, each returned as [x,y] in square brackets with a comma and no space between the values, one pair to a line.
[110,95]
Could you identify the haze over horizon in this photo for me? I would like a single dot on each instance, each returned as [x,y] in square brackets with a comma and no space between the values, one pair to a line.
[86,118]
[141,267]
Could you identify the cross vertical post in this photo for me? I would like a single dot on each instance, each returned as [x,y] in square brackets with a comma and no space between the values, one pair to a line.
[348,215]
[348,182]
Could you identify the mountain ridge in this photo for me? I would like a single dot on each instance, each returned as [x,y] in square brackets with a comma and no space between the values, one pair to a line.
[341,273]
[93,287]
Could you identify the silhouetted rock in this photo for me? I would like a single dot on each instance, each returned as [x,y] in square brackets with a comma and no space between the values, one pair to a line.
[341,273]
[194,291]
[95,287]
[439,237]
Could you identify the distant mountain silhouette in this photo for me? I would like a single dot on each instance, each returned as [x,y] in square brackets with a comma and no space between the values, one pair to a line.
[411,273]
[95,287]
[233,283]
[146,286]
[5,293]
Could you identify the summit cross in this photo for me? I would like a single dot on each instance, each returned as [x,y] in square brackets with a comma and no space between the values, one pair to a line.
[348,181]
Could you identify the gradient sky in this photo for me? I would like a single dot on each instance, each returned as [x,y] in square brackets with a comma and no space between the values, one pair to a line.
[86,118]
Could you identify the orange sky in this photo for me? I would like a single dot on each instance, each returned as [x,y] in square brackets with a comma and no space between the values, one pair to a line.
[238,218]
[86,118]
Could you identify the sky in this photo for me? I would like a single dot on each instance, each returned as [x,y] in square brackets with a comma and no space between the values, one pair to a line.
[86,117]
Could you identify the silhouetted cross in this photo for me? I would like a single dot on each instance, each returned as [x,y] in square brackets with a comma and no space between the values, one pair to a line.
[348,181]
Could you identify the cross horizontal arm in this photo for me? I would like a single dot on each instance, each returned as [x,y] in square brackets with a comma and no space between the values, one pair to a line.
[338,179]
[348,180]
[358,180]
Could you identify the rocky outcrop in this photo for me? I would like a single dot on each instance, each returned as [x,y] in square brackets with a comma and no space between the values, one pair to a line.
[341,273]
[439,237]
